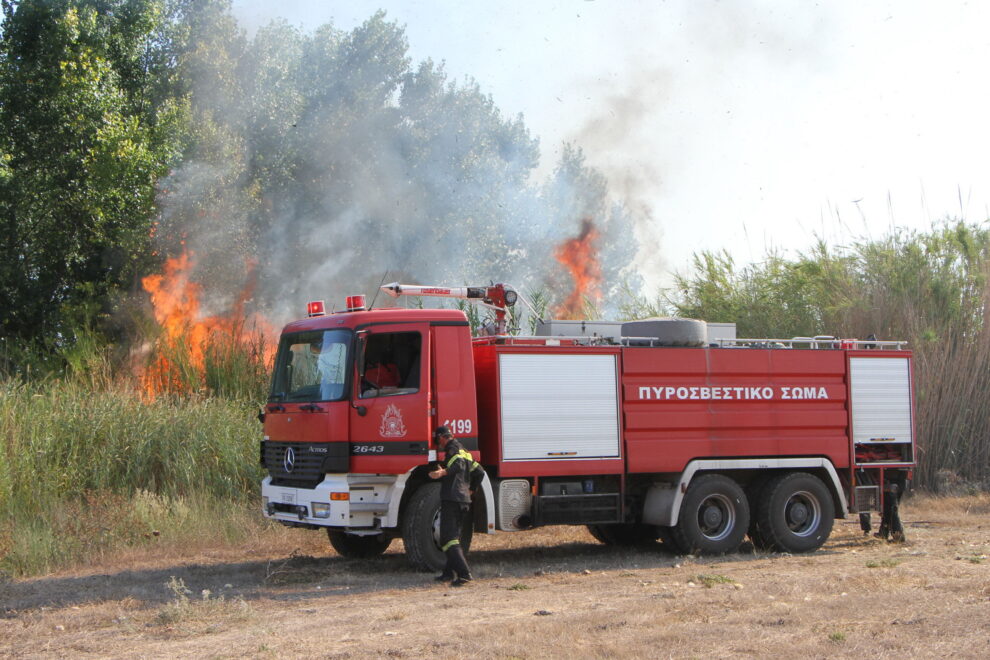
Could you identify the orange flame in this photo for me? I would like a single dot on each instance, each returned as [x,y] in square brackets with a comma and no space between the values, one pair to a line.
[580,256]
[187,337]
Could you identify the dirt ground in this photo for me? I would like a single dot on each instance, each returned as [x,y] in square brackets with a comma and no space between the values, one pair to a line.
[542,594]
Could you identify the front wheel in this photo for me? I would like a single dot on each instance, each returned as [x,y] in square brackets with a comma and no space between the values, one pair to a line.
[421,529]
[358,547]
[795,513]
[714,516]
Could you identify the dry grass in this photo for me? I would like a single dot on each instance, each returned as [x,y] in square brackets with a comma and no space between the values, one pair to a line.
[950,508]
[548,593]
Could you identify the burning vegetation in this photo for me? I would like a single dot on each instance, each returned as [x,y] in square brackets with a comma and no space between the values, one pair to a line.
[580,256]
[196,352]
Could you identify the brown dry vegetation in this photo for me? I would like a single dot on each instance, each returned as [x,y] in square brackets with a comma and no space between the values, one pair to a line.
[547,593]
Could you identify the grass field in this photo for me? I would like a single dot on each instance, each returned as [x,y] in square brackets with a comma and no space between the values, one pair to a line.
[87,473]
[542,594]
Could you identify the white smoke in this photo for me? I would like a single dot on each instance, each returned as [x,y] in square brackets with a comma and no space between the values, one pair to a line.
[327,161]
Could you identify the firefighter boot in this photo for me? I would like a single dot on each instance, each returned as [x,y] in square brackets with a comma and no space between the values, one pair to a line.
[865,523]
[894,516]
[455,559]
[890,521]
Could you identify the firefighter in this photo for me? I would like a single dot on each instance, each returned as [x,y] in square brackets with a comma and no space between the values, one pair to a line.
[380,371]
[380,374]
[459,476]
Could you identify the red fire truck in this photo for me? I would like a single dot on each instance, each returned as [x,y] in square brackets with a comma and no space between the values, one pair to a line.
[656,432]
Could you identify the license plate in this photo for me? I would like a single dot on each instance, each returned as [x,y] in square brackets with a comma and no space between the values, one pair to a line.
[289,498]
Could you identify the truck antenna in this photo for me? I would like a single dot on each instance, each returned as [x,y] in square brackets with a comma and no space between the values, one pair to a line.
[377,291]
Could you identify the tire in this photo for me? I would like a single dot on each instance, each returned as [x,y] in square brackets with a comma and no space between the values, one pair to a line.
[358,547]
[714,516]
[625,534]
[753,493]
[759,541]
[796,513]
[421,529]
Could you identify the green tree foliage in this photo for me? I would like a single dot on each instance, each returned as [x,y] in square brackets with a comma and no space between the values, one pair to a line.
[89,126]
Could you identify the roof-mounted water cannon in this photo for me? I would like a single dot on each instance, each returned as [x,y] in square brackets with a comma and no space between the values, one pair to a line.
[497,297]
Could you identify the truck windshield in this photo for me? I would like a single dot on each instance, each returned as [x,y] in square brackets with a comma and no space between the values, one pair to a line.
[311,366]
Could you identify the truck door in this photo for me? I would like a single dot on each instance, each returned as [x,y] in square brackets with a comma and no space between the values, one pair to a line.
[390,411]
[455,398]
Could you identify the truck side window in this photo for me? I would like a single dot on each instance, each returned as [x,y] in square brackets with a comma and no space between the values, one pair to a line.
[391,364]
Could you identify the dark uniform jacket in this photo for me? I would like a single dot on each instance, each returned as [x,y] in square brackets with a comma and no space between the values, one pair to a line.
[464,474]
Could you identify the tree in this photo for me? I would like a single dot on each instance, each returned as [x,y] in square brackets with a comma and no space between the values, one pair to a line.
[87,132]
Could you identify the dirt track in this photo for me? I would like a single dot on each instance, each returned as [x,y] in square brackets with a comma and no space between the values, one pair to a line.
[549,593]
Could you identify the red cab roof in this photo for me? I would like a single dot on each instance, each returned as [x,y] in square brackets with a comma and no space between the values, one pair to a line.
[380,315]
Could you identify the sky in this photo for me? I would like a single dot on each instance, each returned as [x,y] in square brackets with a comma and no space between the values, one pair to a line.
[738,126]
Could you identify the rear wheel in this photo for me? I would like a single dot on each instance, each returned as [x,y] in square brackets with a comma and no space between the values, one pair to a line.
[714,516]
[421,529]
[358,547]
[795,513]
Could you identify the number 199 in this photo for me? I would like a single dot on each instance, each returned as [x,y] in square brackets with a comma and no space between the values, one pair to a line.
[458,426]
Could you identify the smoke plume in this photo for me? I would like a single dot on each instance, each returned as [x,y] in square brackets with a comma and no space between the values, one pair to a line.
[328,160]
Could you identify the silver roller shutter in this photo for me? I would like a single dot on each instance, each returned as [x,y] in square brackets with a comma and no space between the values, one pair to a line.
[881,399]
[558,406]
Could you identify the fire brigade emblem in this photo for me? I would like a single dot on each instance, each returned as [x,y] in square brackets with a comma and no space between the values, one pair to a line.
[392,426]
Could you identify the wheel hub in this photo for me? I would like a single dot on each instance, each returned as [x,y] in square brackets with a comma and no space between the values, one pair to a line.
[712,517]
[436,528]
[803,513]
[716,517]
[798,513]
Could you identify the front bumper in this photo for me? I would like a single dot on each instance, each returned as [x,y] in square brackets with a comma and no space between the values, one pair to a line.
[372,502]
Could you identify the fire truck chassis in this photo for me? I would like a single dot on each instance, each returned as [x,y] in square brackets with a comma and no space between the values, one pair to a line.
[676,436]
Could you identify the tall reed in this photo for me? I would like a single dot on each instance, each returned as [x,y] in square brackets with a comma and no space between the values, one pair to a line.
[928,288]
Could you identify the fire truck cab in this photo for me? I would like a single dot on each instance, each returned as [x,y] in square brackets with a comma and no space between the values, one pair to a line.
[699,443]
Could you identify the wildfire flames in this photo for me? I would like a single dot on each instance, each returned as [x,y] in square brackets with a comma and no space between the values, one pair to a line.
[189,339]
[580,256]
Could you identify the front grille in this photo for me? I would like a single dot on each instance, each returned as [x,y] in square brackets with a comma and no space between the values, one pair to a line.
[307,467]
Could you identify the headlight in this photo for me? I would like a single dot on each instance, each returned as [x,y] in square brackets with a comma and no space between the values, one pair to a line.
[264,504]
[320,509]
